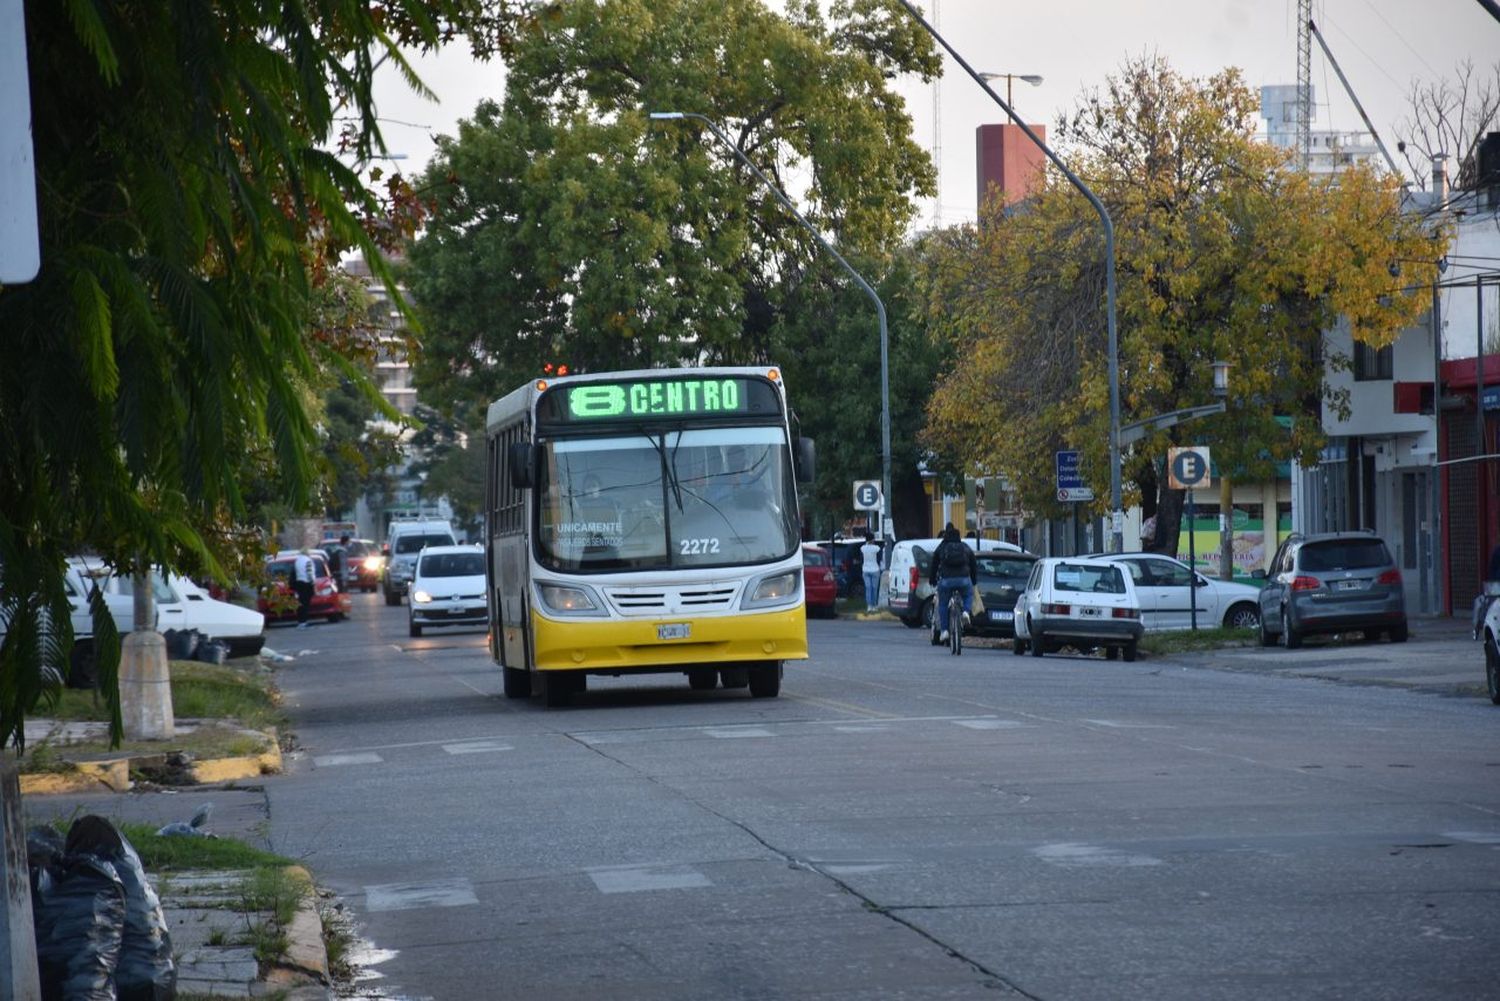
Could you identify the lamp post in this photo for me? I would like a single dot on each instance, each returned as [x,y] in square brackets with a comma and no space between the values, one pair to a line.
[885,376]
[1117,512]
[1030,78]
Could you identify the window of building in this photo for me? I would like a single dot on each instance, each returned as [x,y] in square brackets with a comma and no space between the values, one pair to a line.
[1371,364]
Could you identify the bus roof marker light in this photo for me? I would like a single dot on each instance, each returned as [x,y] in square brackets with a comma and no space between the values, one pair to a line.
[541,385]
[774,374]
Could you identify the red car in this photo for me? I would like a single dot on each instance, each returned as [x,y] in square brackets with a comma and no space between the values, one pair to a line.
[278,601]
[818,583]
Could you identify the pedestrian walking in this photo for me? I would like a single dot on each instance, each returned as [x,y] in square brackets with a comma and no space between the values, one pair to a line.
[870,565]
[303,570]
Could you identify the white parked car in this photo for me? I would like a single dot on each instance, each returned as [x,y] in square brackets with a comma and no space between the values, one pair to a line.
[179,604]
[1080,602]
[1167,586]
[1491,636]
[448,589]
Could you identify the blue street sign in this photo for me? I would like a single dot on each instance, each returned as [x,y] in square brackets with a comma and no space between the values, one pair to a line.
[1069,483]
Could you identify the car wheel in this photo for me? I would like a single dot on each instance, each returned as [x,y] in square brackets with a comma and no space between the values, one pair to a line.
[1038,641]
[414,629]
[517,683]
[1399,633]
[765,680]
[702,678]
[1290,638]
[1111,653]
[915,622]
[1018,646]
[392,599]
[1492,669]
[1242,616]
[1267,638]
[928,611]
[335,616]
[1130,651]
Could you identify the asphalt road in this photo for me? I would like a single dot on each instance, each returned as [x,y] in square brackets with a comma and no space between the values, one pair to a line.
[899,824]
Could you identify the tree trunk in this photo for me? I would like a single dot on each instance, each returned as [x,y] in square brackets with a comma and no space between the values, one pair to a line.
[18,971]
[1169,505]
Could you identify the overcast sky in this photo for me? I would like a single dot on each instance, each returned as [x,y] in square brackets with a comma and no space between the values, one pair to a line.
[1382,45]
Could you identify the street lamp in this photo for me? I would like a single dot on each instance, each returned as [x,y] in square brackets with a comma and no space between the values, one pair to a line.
[885,376]
[1221,378]
[1030,78]
[1117,510]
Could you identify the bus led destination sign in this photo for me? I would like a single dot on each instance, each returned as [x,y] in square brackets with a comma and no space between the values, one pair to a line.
[657,398]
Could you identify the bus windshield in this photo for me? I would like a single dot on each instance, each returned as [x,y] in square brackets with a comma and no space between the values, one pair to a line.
[671,499]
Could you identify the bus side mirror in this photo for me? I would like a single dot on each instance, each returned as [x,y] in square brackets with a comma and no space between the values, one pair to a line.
[805,460]
[519,457]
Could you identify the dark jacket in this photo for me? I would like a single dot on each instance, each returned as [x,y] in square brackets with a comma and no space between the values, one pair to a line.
[954,559]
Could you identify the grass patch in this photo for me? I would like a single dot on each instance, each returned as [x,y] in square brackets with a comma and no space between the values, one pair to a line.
[1188,640]
[199,691]
[181,853]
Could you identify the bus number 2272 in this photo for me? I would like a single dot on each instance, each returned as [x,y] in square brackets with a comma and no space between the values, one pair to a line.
[698,547]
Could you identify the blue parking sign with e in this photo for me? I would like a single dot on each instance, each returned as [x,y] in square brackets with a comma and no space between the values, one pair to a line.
[867,495]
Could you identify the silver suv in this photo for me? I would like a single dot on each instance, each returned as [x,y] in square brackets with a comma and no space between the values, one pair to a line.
[1340,582]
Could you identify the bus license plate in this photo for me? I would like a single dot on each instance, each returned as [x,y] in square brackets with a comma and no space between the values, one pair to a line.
[673,631]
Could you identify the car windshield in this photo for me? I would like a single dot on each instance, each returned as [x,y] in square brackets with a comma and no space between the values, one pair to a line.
[452,565]
[1343,554]
[1089,578]
[415,543]
[708,497]
[357,549]
[1004,566]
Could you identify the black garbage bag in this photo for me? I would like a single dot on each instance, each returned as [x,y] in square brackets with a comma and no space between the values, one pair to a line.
[79,912]
[146,971]
[212,651]
[181,643]
[44,847]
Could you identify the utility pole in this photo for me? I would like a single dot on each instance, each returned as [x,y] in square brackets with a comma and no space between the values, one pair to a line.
[1304,82]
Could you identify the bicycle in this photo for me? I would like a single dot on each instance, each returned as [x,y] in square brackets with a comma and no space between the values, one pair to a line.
[956,623]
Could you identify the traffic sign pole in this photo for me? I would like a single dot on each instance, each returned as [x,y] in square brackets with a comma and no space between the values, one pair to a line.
[1192,561]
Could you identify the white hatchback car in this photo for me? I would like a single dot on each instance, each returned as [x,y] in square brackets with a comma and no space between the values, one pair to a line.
[1162,584]
[448,589]
[1080,602]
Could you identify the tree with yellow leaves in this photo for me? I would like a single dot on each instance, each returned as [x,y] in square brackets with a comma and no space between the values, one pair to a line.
[1223,252]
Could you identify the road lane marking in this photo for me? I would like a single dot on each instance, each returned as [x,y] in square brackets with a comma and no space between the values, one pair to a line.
[731,732]
[1073,855]
[409,896]
[476,747]
[989,724]
[642,878]
[1475,837]
[1119,725]
[338,760]
[862,728]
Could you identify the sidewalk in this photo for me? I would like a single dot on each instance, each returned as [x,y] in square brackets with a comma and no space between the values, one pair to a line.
[215,930]
[1440,657]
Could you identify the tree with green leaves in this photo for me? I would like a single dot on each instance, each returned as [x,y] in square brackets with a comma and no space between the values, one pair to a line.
[570,228]
[1224,252]
[190,200]
[829,326]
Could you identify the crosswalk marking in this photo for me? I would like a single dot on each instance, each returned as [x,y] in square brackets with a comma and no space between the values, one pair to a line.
[640,878]
[477,747]
[337,760]
[409,896]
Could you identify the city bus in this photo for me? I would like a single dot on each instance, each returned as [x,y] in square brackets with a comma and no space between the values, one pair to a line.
[645,522]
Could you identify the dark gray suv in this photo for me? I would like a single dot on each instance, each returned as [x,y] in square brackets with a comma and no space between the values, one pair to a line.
[1340,582]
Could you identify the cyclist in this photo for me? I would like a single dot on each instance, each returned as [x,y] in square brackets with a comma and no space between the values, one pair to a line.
[954,568]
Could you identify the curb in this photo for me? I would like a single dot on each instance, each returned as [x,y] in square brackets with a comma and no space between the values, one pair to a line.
[114,774]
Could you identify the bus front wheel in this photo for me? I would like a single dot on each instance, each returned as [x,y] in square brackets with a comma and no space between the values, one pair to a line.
[765,680]
[703,678]
[517,683]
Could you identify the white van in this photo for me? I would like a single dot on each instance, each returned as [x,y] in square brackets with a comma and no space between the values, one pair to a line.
[908,593]
[406,538]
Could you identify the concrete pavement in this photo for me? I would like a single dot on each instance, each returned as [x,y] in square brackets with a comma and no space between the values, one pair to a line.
[1440,657]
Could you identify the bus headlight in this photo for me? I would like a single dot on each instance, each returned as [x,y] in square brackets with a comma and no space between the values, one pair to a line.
[777,589]
[569,599]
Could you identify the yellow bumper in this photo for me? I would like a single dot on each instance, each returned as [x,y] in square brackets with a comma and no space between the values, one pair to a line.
[570,644]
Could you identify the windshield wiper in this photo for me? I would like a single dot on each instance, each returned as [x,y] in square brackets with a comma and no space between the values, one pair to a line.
[669,463]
